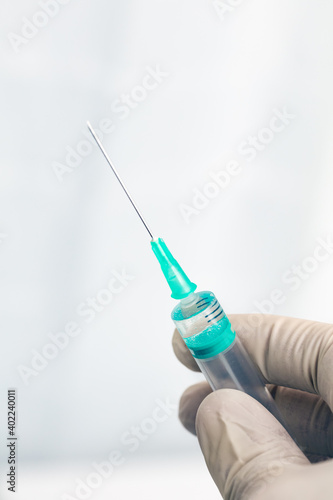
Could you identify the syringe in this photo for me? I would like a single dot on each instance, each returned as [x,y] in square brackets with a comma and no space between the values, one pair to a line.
[204,326]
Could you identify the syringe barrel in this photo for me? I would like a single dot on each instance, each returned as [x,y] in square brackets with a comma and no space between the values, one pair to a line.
[220,355]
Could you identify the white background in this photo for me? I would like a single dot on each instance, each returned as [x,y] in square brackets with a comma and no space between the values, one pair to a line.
[60,240]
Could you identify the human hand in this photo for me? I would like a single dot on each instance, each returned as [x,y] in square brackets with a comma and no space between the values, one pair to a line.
[247,451]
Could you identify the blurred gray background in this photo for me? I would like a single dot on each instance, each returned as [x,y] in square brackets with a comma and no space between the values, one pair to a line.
[181,88]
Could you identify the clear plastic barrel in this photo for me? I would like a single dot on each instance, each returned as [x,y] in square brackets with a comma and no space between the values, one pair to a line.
[233,369]
[219,354]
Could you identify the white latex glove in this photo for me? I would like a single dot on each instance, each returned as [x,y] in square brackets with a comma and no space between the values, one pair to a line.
[248,453]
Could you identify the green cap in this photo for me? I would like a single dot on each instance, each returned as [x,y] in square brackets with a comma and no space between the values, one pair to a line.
[177,280]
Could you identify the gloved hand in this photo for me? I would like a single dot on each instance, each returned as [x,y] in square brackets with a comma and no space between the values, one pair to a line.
[247,451]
